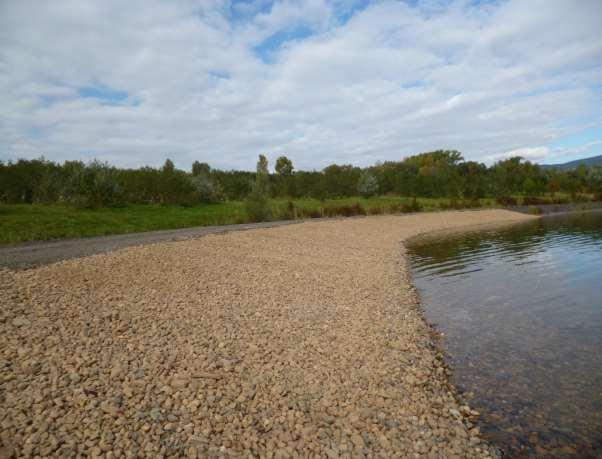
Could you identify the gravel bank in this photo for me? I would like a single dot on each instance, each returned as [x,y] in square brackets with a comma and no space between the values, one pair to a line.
[297,341]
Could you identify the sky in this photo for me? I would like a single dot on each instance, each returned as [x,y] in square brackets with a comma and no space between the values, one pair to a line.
[320,81]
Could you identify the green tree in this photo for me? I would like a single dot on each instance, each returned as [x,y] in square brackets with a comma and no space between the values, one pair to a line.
[508,176]
[168,166]
[207,189]
[284,166]
[474,179]
[367,184]
[94,185]
[341,180]
[256,204]
[285,182]
[199,168]
[437,173]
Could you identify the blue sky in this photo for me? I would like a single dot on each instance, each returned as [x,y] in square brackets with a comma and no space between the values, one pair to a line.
[346,81]
[102,94]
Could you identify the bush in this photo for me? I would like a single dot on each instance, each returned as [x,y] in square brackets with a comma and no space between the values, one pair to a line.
[533,201]
[207,190]
[458,204]
[95,185]
[315,213]
[344,210]
[444,205]
[412,206]
[256,204]
[257,208]
[558,200]
[393,208]
[367,184]
[375,210]
[581,198]
[289,212]
[309,213]
[597,196]
[506,201]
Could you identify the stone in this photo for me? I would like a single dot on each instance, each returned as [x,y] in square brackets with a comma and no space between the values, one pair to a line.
[109,408]
[21,322]
[156,414]
[455,413]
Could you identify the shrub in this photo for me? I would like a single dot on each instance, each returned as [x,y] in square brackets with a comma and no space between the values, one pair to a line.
[597,196]
[95,185]
[289,212]
[256,204]
[394,208]
[349,210]
[506,201]
[207,190]
[443,205]
[581,198]
[309,213]
[533,201]
[558,200]
[257,207]
[367,184]
[458,204]
[412,206]
[375,210]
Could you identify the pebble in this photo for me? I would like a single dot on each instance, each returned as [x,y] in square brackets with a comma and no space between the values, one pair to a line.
[21,322]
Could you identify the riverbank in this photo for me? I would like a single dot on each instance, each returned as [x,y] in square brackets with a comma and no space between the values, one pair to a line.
[26,223]
[22,223]
[555,209]
[282,342]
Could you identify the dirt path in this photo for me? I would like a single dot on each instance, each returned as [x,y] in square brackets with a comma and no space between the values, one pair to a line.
[31,254]
[297,341]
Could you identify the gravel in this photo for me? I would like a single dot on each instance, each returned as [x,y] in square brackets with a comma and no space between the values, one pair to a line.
[296,341]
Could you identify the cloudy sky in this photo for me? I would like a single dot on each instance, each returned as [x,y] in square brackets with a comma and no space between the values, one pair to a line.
[346,81]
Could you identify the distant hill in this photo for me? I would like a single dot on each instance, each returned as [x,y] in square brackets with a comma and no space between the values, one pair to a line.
[593,161]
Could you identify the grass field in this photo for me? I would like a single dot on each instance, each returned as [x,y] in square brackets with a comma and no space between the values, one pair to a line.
[21,223]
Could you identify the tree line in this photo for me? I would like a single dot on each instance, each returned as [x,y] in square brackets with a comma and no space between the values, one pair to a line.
[437,174]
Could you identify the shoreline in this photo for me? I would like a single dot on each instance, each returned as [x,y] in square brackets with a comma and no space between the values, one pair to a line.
[26,255]
[313,341]
[473,420]
[557,209]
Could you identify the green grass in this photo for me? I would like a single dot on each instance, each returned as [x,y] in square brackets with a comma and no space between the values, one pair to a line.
[21,223]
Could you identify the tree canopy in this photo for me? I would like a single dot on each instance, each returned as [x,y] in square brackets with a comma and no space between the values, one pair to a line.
[441,173]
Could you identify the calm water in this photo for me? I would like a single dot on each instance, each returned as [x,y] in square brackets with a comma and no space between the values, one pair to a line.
[521,313]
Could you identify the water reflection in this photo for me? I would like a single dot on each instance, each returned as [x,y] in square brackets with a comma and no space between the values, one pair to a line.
[521,310]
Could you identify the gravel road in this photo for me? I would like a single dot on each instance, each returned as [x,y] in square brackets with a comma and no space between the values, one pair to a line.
[297,341]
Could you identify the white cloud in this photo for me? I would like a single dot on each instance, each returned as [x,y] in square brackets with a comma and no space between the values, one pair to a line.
[533,154]
[393,80]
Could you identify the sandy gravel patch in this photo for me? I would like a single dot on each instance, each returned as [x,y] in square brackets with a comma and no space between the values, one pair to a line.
[297,341]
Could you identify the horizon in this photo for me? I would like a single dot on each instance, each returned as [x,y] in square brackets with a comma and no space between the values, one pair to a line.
[320,82]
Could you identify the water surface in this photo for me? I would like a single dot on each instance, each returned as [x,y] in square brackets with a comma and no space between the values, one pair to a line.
[521,312]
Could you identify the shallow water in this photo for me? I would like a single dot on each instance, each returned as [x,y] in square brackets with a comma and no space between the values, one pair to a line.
[521,313]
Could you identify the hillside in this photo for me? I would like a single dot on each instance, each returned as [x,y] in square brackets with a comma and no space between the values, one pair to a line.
[593,161]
